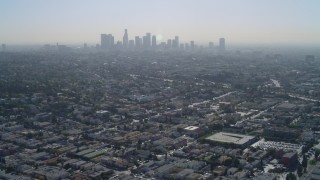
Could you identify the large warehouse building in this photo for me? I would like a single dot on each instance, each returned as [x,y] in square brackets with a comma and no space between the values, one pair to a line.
[238,140]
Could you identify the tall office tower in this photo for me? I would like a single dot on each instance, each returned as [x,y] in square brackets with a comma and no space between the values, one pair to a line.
[107,41]
[3,47]
[182,46]
[119,45]
[176,42]
[85,46]
[173,44]
[222,44]
[104,41]
[148,40]
[125,39]
[192,45]
[111,43]
[154,42]
[163,45]
[144,42]
[169,44]
[131,44]
[138,42]
[211,45]
[186,45]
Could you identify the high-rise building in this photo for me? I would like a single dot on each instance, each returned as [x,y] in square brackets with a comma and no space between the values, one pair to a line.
[211,45]
[144,42]
[85,46]
[192,45]
[154,41]
[186,45]
[163,45]
[148,40]
[107,41]
[138,42]
[176,42]
[119,45]
[111,44]
[125,39]
[169,43]
[104,41]
[222,44]
[3,47]
[131,44]
[182,46]
[173,43]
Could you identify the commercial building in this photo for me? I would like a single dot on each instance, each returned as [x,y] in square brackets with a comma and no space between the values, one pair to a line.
[176,42]
[222,44]
[237,140]
[192,44]
[169,43]
[125,38]
[154,41]
[107,41]
[131,44]
[147,41]
[3,47]
[138,42]
[211,45]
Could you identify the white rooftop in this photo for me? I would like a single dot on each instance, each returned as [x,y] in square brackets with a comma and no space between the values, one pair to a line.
[191,128]
[230,138]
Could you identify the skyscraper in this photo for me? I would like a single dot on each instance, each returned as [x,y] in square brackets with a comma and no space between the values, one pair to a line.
[173,43]
[192,45]
[169,44]
[148,40]
[119,45]
[154,42]
[211,45]
[111,43]
[107,41]
[138,42]
[125,39]
[104,41]
[222,44]
[176,42]
[131,44]
[3,47]
[144,42]
[186,45]
[182,46]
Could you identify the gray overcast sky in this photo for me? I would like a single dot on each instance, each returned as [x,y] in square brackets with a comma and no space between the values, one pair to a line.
[239,21]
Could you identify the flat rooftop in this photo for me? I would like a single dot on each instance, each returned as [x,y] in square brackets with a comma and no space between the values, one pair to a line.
[232,138]
[191,128]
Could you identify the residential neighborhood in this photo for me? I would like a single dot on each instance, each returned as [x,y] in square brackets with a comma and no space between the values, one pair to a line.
[202,114]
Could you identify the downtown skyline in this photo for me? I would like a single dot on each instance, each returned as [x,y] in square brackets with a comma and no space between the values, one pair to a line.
[152,41]
[76,22]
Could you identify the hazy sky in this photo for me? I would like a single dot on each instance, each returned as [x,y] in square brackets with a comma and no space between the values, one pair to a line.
[239,21]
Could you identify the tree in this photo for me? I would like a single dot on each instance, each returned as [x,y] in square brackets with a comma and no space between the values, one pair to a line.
[228,162]
[161,127]
[135,162]
[236,162]
[312,162]
[305,163]
[40,134]
[300,170]
[139,144]
[291,176]
[316,154]
[29,135]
